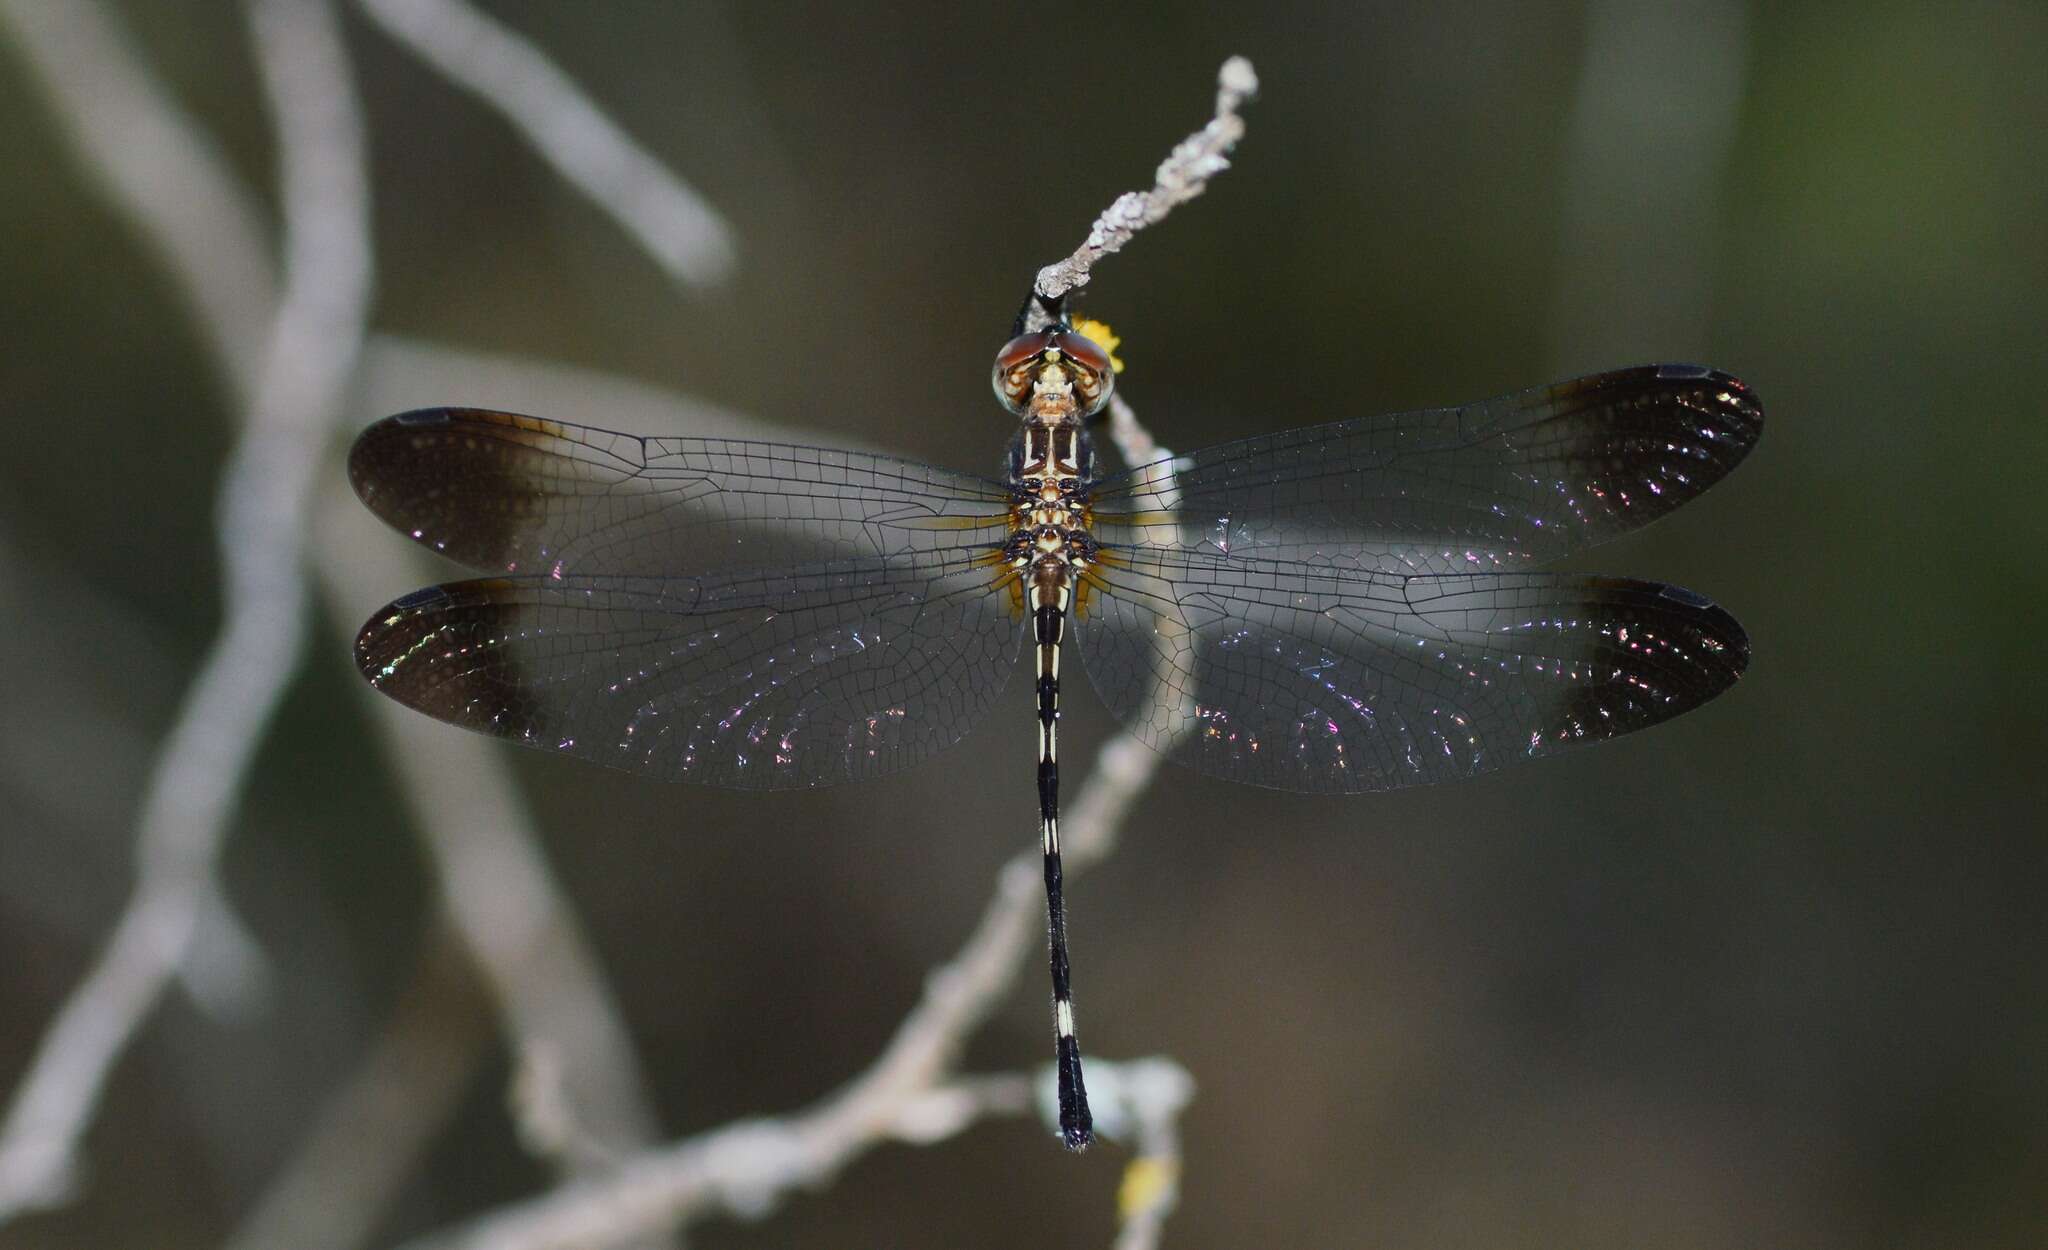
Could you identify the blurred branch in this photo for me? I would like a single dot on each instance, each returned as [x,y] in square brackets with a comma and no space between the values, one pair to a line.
[1648,142]
[1183,175]
[310,353]
[1143,1100]
[671,221]
[365,1142]
[495,883]
[1133,441]
[160,169]
[401,373]
[743,1168]
[546,985]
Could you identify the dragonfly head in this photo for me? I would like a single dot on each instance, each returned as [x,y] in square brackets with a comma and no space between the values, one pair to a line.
[1056,360]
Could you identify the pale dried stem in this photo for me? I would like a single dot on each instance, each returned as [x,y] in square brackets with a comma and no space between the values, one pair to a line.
[309,355]
[743,1168]
[1183,175]
[668,219]
[401,373]
[162,171]
[495,883]
[364,1142]
[1646,146]
[1132,440]
[1150,1094]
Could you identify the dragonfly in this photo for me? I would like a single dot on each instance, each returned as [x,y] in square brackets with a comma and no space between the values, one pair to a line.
[1341,609]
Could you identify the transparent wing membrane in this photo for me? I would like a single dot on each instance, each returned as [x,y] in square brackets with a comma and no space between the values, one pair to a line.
[1495,485]
[1327,609]
[1300,677]
[761,680]
[503,493]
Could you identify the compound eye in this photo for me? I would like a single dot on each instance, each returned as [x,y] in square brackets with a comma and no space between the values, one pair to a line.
[1024,349]
[1094,373]
[1085,352]
[1014,366]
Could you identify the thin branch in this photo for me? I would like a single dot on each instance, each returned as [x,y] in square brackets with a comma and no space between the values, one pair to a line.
[401,373]
[1132,440]
[163,172]
[743,1168]
[378,1109]
[495,882]
[365,1141]
[1145,1098]
[1645,153]
[310,354]
[669,219]
[1183,175]
[160,171]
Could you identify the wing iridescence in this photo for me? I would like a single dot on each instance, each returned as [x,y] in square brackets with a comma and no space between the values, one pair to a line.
[760,680]
[1495,485]
[503,493]
[1305,678]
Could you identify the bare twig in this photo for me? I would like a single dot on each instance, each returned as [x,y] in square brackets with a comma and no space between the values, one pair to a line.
[1144,1099]
[744,1167]
[1649,139]
[1132,440]
[401,373]
[165,172]
[1182,176]
[495,883]
[310,353]
[671,221]
[600,1083]
[160,169]
[364,1142]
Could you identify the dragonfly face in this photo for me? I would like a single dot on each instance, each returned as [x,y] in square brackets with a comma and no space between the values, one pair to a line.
[1343,608]
[1039,372]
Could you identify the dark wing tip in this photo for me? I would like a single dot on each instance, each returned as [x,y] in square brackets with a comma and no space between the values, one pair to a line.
[1703,386]
[435,650]
[383,442]
[378,449]
[426,596]
[391,631]
[1670,650]
[1726,392]
[446,477]
[1716,627]
[1716,406]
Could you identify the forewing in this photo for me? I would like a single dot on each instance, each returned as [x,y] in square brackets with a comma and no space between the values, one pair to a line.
[1495,485]
[503,493]
[761,680]
[1301,678]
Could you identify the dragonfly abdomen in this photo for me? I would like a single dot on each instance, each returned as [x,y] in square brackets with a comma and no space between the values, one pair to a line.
[1051,593]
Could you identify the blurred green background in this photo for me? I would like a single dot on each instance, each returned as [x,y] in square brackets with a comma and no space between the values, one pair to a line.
[1768,975]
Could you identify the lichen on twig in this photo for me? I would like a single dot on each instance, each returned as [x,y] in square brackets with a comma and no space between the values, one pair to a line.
[1183,175]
